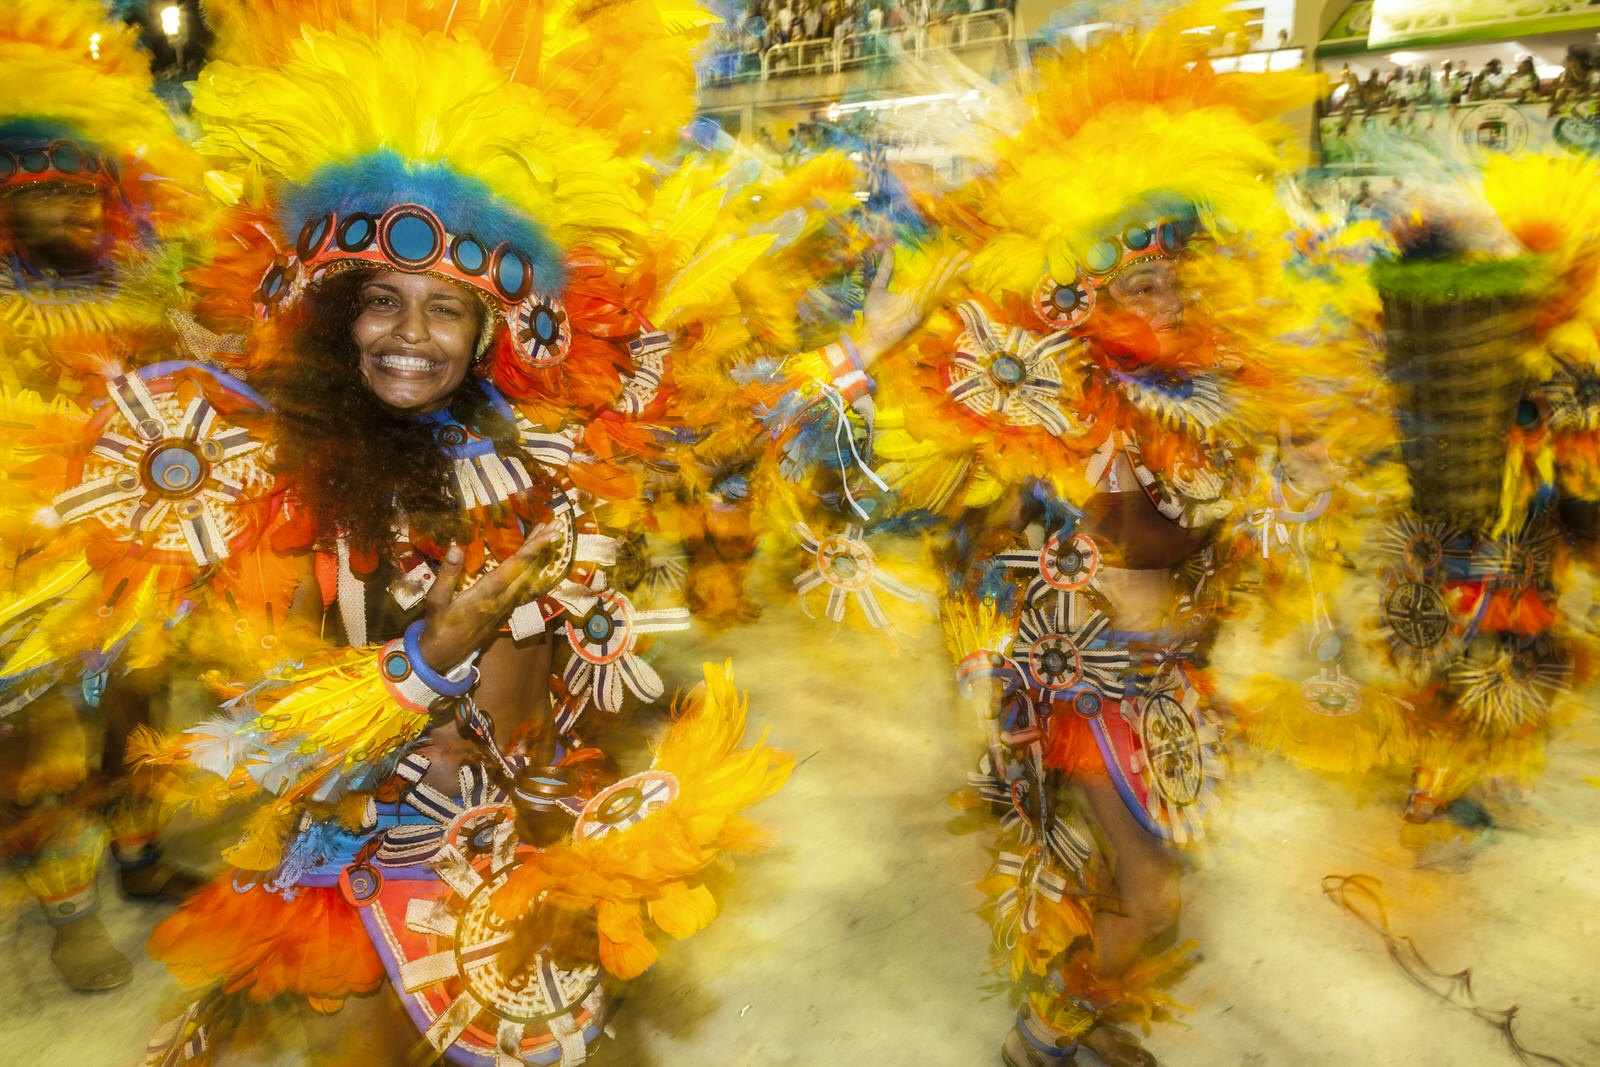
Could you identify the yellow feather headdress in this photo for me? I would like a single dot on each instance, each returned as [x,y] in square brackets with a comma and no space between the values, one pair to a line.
[492,118]
[1136,133]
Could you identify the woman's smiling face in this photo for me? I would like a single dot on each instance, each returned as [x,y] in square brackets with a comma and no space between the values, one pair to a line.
[416,336]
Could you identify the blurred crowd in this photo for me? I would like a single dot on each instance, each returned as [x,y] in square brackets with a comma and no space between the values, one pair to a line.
[812,31]
[1406,88]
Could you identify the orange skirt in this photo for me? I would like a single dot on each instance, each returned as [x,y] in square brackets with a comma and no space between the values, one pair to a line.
[1070,745]
[260,944]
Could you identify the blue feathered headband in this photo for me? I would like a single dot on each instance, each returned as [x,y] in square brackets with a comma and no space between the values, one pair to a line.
[384,212]
[35,150]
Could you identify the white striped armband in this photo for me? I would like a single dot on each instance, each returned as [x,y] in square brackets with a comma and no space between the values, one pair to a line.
[849,374]
[409,686]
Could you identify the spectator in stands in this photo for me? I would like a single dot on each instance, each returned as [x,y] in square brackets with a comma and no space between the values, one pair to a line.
[921,15]
[1348,93]
[1373,93]
[894,23]
[1428,93]
[811,20]
[1573,80]
[843,39]
[1409,93]
[1489,83]
[1524,81]
[1441,84]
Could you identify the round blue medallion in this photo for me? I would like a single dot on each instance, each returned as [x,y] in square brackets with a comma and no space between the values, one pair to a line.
[469,255]
[68,157]
[356,232]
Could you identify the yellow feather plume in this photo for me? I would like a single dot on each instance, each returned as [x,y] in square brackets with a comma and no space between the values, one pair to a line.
[708,278]
[327,718]
[651,869]
[1277,716]
[1550,204]
[430,99]
[569,51]
[1136,116]
[972,627]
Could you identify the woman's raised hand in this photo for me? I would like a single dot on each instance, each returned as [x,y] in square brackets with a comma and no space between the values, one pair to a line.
[457,626]
[889,318]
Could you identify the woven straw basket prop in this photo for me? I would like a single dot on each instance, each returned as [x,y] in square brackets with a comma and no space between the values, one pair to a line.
[1452,353]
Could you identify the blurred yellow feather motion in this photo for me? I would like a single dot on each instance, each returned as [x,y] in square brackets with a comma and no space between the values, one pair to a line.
[68,64]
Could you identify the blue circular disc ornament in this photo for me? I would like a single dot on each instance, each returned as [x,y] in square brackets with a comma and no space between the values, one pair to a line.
[469,255]
[356,232]
[396,667]
[513,273]
[1103,256]
[313,235]
[175,470]
[413,239]
[1007,371]
[599,627]
[68,158]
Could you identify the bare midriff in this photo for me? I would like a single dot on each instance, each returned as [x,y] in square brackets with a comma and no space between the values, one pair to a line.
[513,688]
[1141,550]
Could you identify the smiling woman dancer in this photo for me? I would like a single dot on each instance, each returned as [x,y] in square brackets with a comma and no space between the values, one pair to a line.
[393,536]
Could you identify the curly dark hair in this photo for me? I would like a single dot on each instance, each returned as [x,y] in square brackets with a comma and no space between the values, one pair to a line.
[359,468]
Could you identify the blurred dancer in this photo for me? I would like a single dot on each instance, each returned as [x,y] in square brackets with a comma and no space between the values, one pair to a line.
[94,195]
[1092,420]
[1503,485]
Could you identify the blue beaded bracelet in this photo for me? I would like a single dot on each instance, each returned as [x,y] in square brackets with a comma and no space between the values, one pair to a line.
[426,674]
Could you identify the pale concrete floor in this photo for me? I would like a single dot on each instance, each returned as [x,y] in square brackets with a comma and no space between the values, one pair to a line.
[852,942]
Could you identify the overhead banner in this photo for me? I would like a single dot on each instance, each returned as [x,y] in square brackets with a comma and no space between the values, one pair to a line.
[1418,23]
[1349,31]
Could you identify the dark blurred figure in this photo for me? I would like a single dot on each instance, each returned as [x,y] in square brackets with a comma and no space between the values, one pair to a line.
[93,182]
